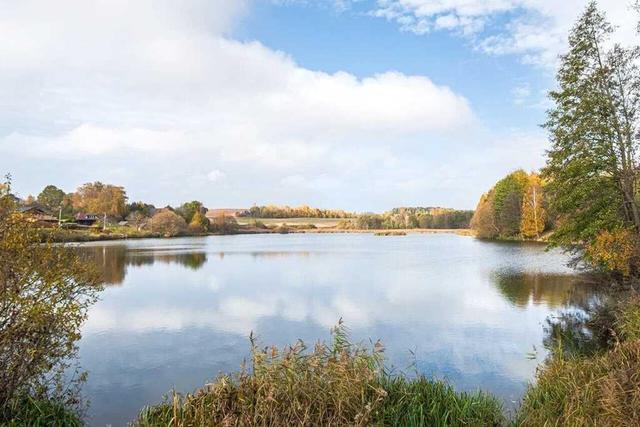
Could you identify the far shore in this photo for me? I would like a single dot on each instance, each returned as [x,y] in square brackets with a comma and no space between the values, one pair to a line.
[459,231]
[80,237]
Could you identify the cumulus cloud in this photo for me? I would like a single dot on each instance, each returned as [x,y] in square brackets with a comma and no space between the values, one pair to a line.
[141,86]
[534,29]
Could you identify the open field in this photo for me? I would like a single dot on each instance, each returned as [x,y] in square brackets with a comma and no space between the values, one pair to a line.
[276,222]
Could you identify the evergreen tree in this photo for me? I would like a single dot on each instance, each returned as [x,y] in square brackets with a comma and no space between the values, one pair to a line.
[592,166]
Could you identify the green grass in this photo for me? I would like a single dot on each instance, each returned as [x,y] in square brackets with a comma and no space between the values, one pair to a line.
[39,413]
[336,385]
[425,402]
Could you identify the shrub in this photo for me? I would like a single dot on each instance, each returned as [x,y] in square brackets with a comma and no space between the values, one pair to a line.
[199,223]
[168,223]
[603,389]
[615,251]
[45,291]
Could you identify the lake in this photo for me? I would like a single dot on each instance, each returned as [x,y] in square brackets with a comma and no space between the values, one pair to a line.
[176,312]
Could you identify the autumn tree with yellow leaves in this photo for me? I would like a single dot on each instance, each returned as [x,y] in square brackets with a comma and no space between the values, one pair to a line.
[101,198]
[533,215]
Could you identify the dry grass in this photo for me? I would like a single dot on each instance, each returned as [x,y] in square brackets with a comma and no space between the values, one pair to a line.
[336,385]
[601,390]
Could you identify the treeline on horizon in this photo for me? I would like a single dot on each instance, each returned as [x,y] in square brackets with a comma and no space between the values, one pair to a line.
[516,207]
[274,211]
[396,218]
[410,218]
[112,201]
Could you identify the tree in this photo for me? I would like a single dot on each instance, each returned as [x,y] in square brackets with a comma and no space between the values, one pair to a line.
[199,223]
[145,209]
[483,221]
[51,198]
[223,224]
[189,209]
[592,166]
[138,219]
[507,202]
[615,251]
[533,212]
[45,291]
[101,198]
[168,223]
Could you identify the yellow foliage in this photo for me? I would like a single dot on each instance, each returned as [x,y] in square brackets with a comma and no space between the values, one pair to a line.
[483,221]
[533,212]
[100,198]
[616,251]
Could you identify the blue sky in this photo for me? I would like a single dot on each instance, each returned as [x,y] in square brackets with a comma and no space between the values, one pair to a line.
[323,38]
[355,104]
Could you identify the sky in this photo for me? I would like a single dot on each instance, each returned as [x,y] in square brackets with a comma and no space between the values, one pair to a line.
[362,105]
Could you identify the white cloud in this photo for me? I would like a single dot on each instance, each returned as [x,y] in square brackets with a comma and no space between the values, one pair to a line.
[162,87]
[535,29]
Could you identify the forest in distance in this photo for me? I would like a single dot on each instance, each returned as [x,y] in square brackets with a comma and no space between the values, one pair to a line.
[113,212]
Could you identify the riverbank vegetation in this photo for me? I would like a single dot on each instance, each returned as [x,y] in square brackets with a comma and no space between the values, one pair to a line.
[45,291]
[593,374]
[337,384]
[516,208]
[592,173]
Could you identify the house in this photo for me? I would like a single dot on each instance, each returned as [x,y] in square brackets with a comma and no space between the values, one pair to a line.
[38,214]
[86,218]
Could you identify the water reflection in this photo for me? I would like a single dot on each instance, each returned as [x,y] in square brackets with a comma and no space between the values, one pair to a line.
[112,260]
[268,254]
[552,289]
[447,305]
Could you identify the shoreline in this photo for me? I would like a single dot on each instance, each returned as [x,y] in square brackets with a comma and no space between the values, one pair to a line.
[466,232]
[84,238]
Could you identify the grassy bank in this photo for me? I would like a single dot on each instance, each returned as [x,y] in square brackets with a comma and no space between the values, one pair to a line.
[340,384]
[60,235]
[121,233]
[597,383]
[33,412]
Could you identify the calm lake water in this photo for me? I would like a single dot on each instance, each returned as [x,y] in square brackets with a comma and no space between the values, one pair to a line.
[177,312]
